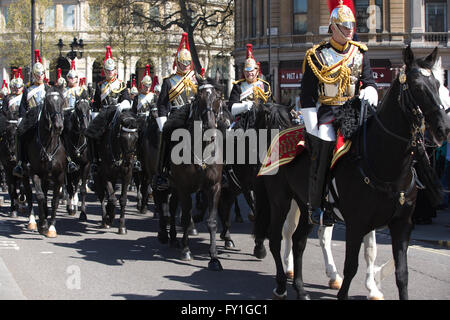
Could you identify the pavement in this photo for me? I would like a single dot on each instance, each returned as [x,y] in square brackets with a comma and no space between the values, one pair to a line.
[436,233]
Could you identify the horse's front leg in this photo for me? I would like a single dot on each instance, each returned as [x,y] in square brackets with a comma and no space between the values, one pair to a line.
[12,185]
[213,203]
[278,212]
[325,235]
[299,239]
[57,183]
[186,212]
[41,199]
[110,205]
[400,230]
[289,227]
[83,192]
[123,201]
[71,191]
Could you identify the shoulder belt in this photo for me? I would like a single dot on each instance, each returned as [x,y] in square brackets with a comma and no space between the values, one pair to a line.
[176,90]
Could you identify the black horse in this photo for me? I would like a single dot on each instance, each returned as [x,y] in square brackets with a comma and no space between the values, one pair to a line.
[117,151]
[8,130]
[47,157]
[76,120]
[374,182]
[199,172]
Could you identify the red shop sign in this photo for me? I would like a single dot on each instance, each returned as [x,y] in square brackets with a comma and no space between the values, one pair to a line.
[382,75]
[290,76]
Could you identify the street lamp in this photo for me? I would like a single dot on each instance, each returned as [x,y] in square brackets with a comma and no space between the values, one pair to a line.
[76,48]
[41,28]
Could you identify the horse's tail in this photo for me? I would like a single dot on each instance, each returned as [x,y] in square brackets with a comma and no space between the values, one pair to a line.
[262,214]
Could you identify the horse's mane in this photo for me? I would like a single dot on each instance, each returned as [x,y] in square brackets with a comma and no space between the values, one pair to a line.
[97,127]
[210,81]
[279,116]
[128,119]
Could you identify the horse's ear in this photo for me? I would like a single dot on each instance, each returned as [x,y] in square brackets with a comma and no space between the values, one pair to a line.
[408,56]
[431,59]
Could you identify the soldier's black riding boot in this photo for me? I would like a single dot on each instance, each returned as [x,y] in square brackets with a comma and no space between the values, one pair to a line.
[18,169]
[160,180]
[321,152]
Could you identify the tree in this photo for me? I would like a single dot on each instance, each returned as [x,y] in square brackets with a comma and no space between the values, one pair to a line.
[15,43]
[191,16]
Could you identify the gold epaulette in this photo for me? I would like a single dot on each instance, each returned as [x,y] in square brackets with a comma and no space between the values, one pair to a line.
[238,81]
[310,52]
[360,45]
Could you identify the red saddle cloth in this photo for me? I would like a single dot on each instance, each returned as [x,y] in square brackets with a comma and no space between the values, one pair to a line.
[291,142]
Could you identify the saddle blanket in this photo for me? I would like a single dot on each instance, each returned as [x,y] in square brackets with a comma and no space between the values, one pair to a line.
[291,142]
[288,144]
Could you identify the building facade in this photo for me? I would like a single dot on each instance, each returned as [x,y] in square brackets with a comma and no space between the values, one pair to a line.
[385,26]
[81,19]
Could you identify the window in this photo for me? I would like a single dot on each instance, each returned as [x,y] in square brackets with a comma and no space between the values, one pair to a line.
[94,15]
[300,16]
[5,14]
[138,12]
[154,13]
[49,17]
[69,16]
[253,27]
[262,18]
[368,13]
[436,16]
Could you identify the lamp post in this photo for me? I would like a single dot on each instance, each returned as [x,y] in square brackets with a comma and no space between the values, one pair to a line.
[32,37]
[41,28]
[76,48]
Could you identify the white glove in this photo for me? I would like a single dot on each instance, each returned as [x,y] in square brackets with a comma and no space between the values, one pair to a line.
[125,104]
[160,121]
[18,121]
[238,108]
[370,94]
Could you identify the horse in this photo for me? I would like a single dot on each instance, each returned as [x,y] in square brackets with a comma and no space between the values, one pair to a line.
[8,130]
[378,168]
[199,173]
[47,157]
[76,120]
[117,150]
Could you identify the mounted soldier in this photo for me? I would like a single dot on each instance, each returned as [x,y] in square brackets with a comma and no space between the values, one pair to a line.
[60,81]
[110,93]
[72,94]
[177,92]
[15,102]
[35,101]
[4,91]
[134,92]
[250,90]
[334,71]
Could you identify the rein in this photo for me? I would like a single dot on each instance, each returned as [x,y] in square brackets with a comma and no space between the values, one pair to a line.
[415,118]
[117,162]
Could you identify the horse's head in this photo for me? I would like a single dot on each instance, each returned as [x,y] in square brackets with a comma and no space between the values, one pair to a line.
[209,95]
[424,78]
[82,114]
[52,110]
[127,134]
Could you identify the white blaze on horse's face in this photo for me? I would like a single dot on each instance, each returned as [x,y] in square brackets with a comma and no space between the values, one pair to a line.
[438,73]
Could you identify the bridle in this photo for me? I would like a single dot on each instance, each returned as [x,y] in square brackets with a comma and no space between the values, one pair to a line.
[75,118]
[117,158]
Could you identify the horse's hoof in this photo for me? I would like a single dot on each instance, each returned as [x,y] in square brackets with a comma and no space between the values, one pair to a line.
[51,234]
[163,238]
[304,296]
[239,219]
[71,212]
[251,217]
[122,230]
[197,218]
[376,297]
[260,252]
[32,226]
[229,244]
[215,265]
[277,296]
[290,274]
[186,256]
[335,284]
[83,216]
[105,226]
[193,232]
[13,214]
